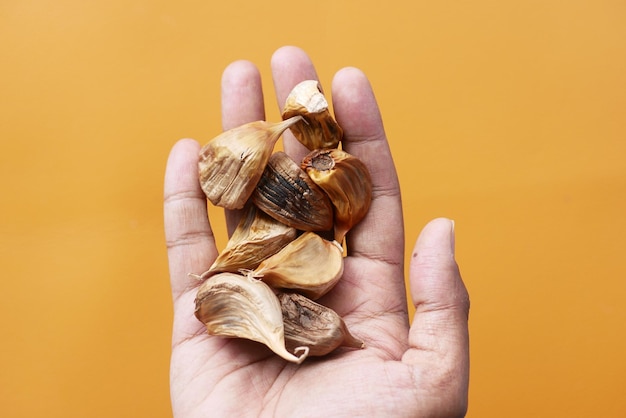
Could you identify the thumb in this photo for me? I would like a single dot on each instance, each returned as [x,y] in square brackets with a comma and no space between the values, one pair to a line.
[438,339]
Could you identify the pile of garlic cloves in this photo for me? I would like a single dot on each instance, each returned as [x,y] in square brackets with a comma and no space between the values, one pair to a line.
[286,251]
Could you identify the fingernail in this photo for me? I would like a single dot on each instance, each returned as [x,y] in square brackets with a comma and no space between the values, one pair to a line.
[452,236]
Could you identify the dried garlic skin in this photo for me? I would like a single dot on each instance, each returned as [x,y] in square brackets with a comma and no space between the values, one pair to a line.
[232,305]
[287,194]
[257,237]
[309,265]
[347,182]
[318,129]
[231,164]
[309,324]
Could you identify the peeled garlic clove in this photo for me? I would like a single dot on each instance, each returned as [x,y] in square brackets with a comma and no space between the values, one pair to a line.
[257,237]
[231,164]
[315,326]
[309,265]
[318,129]
[287,194]
[232,305]
[347,182]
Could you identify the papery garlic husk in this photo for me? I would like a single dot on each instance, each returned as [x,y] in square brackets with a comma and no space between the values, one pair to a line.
[318,129]
[231,164]
[257,237]
[347,182]
[309,324]
[287,194]
[309,265]
[232,305]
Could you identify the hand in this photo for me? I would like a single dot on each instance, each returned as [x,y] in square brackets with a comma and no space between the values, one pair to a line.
[421,370]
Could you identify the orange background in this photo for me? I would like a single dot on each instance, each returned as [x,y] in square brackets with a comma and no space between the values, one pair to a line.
[508,117]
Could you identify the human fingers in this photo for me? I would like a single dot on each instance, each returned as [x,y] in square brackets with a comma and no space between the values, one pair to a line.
[357,112]
[291,65]
[439,338]
[380,236]
[242,102]
[189,238]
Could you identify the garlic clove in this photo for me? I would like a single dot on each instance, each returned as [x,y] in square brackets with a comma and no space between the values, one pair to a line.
[232,305]
[309,265]
[347,182]
[309,324]
[231,164]
[286,193]
[257,237]
[318,129]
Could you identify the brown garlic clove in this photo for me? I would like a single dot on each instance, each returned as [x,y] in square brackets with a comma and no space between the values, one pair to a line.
[309,265]
[315,326]
[347,182]
[231,164]
[286,193]
[257,237]
[232,305]
[318,129]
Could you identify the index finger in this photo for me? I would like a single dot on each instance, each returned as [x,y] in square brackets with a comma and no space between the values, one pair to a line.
[380,235]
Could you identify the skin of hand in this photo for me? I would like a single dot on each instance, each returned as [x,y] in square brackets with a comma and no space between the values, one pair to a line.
[406,370]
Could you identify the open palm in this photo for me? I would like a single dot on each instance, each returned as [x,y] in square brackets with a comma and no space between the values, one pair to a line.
[417,370]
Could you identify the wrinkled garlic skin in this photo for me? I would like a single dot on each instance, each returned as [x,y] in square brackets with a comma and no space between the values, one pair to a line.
[309,265]
[257,237]
[287,194]
[318,129]
[232,305]
[315,326]
[231,164]
[346,180]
